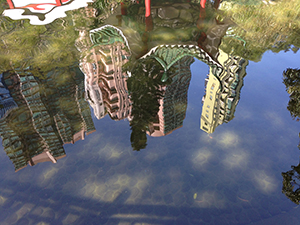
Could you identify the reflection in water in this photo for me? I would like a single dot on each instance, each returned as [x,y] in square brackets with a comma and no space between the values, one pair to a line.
[291,80]
[41,12]
[140,43]
[144,86]
[137,68]
[44,115]
[222,95]
[291,184]
[173,104]
[105,82]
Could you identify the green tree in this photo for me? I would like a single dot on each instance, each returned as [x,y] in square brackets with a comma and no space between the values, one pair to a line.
[260,27]
[291,184]
[144,88]
[42,47]
[291,80]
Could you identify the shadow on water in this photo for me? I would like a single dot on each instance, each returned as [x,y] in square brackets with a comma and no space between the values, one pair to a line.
[55,207]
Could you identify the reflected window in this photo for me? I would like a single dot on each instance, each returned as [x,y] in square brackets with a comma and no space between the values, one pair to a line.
[204,128]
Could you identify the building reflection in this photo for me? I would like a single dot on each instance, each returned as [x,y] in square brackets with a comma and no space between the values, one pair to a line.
[47,114]
[173,104]
[223,94]
[7,103]
[173,36]
[105,81]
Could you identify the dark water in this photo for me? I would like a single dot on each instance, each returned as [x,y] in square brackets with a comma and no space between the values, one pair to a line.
[145,157]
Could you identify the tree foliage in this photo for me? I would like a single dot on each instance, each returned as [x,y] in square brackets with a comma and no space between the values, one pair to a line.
[291,80]
[260,27]
[144,88]
[291,185]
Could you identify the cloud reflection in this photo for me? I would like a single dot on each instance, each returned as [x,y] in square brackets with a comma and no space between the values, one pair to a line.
[264,182]
[201,157]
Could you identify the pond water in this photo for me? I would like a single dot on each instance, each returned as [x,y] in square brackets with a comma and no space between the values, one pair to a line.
[127,121]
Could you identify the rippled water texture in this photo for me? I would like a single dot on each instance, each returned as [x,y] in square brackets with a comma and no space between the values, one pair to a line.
[230,174]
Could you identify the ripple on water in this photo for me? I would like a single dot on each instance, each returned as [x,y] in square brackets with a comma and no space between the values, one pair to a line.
[134,193]
[174,188]
[45,182]
[185,210]
[228,139]
[45,193]
[12,218]
[37,211]
[131,165]
[160,211]
[157,199]
[147,195]
[186,187]
[108,195]
[286,205]
[100,175]
[24,186]
[66,199]
[179,199]
[253,215]
[274,210]
[62,180]
[28,175]
[69,170]
[132,181]
[23,221]
[168,199]
[115,187]
[220,220]
[264,214]
[4,214]
[181,220]
[91,179]
[8,203]
[10,183]
[106,167]
[124,180]
[205,216]
[49,213]
[112,180]
[114,161]
[242,218]
[101,190]
[83,168]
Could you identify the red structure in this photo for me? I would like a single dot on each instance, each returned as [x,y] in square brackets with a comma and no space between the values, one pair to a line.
[37,6]
[202,3]
[148,8]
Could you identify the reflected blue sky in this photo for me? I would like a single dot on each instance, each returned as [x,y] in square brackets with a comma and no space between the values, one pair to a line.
[232,176]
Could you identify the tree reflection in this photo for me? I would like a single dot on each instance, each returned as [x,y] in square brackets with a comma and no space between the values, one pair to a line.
[143,86]
[45,47]
[291,80]
[262,27]
[291,184]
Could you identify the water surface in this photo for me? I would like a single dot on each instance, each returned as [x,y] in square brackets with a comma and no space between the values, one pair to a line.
[231,174]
